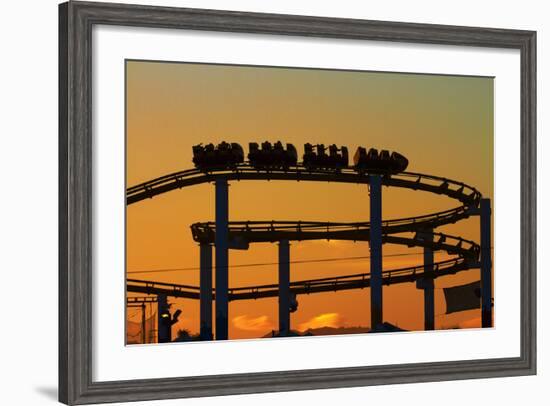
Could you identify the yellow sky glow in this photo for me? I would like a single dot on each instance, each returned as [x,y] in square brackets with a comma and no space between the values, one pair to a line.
[443,124]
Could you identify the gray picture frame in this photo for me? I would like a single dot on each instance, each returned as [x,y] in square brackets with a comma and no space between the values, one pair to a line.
[76,20]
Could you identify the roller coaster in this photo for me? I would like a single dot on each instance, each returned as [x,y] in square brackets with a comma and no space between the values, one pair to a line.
[225,163]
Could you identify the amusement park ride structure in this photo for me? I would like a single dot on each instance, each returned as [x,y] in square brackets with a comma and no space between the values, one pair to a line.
[225,162]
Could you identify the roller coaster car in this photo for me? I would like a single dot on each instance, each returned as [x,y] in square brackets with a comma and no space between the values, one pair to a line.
[225,155]
[237,152]
[399,161]
[375,162]
[337,158]
[272,156]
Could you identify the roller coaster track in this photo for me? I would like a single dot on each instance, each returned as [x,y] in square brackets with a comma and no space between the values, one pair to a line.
[244,232]
[467,195]
[158,288]
[467,252]
[467,257]
[331,284]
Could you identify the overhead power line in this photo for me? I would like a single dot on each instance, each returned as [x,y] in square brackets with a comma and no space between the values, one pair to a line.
[304,261]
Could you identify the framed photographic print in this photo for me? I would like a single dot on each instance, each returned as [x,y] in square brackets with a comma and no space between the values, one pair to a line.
[259,202]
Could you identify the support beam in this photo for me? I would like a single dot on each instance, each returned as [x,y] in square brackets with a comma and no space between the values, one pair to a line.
[375,186]
[143,323]
[486,264]
[429,304]
[284,287]
[222,259]
[164,328]
[206,291]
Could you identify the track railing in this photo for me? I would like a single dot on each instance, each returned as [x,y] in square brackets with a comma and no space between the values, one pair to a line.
[330,284]
[468,195]
[467,251]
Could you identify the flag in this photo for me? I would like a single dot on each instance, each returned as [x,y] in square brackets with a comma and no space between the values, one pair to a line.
[463,297]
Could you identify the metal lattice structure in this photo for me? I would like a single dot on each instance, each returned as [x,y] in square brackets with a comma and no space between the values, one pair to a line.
[225,235]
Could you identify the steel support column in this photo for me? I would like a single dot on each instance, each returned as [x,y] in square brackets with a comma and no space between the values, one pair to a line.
[206,291]
[222,259]
[164,328]
[284,287]
[428,282]
[143,323]
[486,264]
[375,186]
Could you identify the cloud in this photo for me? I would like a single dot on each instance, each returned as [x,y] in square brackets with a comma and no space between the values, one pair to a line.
[472,323]
[247,323]
[322,320]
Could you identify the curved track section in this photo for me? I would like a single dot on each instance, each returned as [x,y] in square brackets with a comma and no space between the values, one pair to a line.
[332,284]
[467,252]
[245,232]
[158,288]
[467,195]
[357,281]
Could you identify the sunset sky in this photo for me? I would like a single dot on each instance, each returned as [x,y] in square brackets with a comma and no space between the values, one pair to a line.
[442,124]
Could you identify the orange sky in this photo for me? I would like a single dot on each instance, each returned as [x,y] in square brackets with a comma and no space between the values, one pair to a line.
[443,124]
